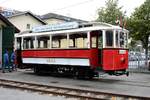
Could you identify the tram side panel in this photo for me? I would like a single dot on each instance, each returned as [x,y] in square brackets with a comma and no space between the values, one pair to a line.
[115,59]
[90,57]
[108,59]
[74,57]
[94,60]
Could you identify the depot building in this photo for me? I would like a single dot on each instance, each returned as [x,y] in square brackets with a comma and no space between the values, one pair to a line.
[7,31]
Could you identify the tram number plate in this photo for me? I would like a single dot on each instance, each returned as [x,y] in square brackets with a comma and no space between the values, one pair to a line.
[51,60]
[122,51]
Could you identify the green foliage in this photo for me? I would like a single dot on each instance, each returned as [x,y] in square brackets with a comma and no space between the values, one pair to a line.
[110,13]
[139,23]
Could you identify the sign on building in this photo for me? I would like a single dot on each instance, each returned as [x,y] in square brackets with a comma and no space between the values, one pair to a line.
[54,27]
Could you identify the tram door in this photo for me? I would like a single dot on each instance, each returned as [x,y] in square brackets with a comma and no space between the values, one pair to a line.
[96,48]
[0,48]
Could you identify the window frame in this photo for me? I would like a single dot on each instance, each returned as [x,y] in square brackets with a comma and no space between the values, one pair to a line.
[112,41]
[28,26]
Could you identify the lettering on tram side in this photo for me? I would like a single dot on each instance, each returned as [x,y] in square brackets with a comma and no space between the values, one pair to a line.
[122,51]
[51,60]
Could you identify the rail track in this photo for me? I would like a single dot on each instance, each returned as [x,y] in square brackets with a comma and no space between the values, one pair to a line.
[68,92]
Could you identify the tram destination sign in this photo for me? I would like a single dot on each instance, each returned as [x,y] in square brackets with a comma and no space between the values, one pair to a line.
[54,27]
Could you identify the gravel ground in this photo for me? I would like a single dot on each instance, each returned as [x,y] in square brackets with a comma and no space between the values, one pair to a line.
[12,94]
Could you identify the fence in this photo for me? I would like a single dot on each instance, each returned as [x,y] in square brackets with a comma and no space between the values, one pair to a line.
[137,63]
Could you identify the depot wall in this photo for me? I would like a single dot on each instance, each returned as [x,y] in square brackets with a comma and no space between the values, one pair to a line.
[24,22]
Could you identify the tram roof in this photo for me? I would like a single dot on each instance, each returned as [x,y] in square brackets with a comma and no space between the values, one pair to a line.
[96,26]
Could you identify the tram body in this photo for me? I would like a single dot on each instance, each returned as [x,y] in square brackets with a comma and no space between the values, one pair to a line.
[79,51]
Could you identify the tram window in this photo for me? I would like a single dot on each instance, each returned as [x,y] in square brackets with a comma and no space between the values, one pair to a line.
[78,40]
[28,42]
[117,39]
[18,43]
[121,39]
[55,44]
[94,41]
[43,42]
[63,43]
[126,40]
[85,41]
[100,40]
[59,41]
[71,43]
[109,38]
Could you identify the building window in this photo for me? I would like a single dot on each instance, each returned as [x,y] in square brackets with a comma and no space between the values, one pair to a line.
[28,26]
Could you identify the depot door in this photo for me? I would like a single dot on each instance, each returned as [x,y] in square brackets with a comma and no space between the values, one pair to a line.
[0,47]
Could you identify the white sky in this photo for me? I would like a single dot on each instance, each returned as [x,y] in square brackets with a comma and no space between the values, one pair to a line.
[80,9]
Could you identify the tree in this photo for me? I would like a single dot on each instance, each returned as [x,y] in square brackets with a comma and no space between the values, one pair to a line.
[139,25]
[110,13]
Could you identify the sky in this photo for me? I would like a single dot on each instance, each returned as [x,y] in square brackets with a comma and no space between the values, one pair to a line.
[80,9]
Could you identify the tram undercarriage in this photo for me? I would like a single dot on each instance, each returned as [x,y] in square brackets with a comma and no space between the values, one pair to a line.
[118,72]
[80,72]
[63,70]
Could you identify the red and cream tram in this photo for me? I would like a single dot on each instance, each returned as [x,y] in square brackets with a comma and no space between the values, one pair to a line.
[74,49]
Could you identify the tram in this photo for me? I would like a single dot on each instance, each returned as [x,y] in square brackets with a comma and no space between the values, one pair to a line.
[71,48]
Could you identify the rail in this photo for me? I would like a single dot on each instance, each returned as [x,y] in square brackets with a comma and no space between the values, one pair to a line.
[68,92]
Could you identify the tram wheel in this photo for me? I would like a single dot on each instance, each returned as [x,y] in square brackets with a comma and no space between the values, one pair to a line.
[36,70]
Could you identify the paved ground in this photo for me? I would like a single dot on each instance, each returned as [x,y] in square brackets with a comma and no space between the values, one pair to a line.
[136,84]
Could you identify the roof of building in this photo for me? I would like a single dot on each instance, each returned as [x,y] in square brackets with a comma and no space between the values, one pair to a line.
[27,12]
[61,17]
[7,22]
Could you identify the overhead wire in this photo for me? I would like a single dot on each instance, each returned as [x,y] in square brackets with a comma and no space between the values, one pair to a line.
[73,5]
